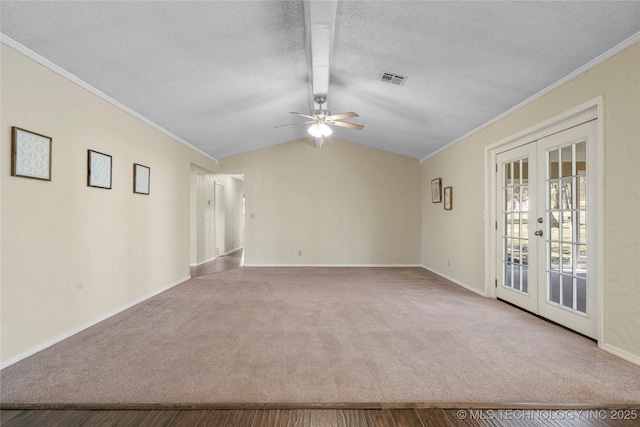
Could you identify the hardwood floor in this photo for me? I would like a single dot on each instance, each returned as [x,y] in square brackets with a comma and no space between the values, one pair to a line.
[431,417]
[222,263]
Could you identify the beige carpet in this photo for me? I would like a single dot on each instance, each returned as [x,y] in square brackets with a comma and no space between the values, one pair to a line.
[322,335]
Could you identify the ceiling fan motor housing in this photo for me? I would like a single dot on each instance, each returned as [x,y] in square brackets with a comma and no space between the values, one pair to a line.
[321,114]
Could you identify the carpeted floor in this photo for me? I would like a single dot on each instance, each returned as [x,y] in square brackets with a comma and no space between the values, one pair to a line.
[322,336]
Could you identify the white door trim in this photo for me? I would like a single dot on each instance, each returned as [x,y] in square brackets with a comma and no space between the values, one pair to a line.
[219,228]
[592,109]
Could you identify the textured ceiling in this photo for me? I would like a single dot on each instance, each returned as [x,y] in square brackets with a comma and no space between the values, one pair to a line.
[221,74]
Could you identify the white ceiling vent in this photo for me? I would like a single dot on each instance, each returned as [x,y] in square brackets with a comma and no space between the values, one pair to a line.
[393,78]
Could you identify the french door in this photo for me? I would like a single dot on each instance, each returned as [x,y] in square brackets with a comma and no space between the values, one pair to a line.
[544,228]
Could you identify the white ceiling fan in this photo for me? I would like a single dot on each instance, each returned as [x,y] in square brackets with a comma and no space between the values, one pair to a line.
[321,119]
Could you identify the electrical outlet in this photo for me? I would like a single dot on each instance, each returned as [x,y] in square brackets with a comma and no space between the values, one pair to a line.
[299,253]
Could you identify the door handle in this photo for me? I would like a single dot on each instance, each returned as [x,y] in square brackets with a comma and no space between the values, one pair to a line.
[538,233]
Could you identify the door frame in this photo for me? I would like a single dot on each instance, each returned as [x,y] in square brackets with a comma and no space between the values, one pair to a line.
[220,219]
[592,109]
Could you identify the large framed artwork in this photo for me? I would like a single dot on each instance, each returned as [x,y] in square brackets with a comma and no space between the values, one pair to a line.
[141,177]
[30,154]
[436,190]
[99,170]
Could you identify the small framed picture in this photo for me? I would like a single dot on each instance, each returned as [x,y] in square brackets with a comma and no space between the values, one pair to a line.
[448,198]
[436,190]
[141,175]
[30,154]
[99,170]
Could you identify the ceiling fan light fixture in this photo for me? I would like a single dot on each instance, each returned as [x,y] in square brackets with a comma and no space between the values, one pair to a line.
[319,130]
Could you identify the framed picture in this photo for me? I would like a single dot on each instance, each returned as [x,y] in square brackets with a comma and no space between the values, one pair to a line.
[30,154]
[141,174]
[99,170]
[436,190]
[448,198]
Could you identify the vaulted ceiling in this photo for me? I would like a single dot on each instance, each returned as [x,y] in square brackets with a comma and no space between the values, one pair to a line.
[221,74]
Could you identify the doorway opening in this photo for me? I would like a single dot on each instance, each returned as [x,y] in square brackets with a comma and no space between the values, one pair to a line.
[216,221]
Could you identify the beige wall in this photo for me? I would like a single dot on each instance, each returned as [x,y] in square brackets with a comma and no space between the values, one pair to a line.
[453,242]
[339,205]
[193,217]
[72,254]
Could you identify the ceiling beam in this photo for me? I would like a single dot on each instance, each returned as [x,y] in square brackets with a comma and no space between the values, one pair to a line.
[320,18]
[320,22]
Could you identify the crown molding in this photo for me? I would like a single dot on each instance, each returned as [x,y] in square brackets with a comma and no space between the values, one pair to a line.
[67,75]
[586,67]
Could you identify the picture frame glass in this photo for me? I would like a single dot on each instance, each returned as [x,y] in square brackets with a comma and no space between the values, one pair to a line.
[99,170]
[141,176]
[31,155]
[448,194]
[436,190]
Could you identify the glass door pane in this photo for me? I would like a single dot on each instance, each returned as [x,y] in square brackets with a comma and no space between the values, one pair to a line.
[517,247]
[515,215]
[566,188]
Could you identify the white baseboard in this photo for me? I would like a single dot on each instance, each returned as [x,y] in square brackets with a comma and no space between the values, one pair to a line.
[333,265]
[630,357]
[23,355]
[457,282]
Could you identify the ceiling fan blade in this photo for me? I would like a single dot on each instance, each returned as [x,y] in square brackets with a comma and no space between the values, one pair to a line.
[294,124]
[302,115]
[346,125]
[342,116]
